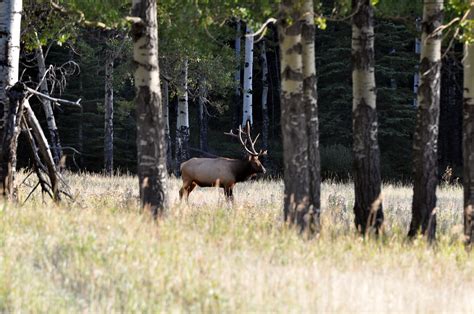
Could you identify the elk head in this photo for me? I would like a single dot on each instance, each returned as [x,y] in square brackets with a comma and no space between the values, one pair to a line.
[249,146]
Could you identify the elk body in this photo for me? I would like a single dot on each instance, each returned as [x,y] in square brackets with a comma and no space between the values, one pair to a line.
[222,172]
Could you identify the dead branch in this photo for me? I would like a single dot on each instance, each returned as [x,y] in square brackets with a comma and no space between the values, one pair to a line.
[44,149]
[261,30]
[56,100]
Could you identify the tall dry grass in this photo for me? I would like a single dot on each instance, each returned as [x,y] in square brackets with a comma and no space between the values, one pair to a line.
[101,254]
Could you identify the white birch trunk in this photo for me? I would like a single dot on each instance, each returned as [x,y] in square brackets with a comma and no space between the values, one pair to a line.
[47,107]
[248,73]
[293,116]
[109,117]
[310,98]
[237,77]
[10,27]
[151,145]
[366,153]
[166,114]
[265,118]
[425,139]
[182,123]
[202,119]
[166,109]
[416,76]
[468,138]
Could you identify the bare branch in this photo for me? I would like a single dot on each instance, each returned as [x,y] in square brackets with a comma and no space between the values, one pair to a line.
[44,77]
[135,20]
[56,100]
[262,29]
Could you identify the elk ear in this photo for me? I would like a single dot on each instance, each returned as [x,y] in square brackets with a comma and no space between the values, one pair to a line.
[249,157]
[263,153]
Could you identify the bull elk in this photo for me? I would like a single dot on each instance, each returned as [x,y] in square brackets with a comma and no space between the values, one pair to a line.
[222,172]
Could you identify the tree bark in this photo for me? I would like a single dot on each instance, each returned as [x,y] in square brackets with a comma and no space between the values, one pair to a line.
[367,179]
[203,116]
[9,146]
[151,145]
[248,76]
[166,114]
[47,107]
[237,78]
[80,129]
[182,123]
[109,117]
[310,98]
[265,117]
[293,118]
[468,138]
[10,26]
[425,142]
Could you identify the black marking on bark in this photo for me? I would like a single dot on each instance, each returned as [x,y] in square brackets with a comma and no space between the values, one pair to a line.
[468,173]
[289,74]
[297,48]
[367,178]
[425,159]
[431,23]
[364,15]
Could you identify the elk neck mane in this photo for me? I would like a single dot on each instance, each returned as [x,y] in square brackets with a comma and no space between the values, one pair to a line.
[242,168]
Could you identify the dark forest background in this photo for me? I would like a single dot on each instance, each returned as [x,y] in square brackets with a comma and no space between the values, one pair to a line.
[396,63]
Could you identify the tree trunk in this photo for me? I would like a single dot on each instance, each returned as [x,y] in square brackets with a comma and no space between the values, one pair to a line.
[109,117]
[151,145]
[166,117]
[425,142]
[416,75]
[10,26]
[182,123]
[265,117]
[293,118]
[310,98]
[238,87]
[47,107]
[248,75]
[10,142]
[468,139]
[203,117]
[367,181]
[80,129]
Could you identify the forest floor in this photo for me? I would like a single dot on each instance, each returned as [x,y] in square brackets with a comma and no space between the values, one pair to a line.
[102,254]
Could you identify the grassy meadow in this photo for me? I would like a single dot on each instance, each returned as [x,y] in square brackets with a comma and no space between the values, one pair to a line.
[102,254]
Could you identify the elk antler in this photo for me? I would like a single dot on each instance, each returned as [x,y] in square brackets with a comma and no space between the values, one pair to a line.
[252,150]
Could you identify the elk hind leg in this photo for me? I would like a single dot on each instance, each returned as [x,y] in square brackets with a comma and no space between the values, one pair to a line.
[190,189]
[229,194]
[184,190]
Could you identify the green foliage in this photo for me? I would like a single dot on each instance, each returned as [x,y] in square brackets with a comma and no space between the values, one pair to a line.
[183,36]
[43,25]
[253,12]
[111,13]
[399,8]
